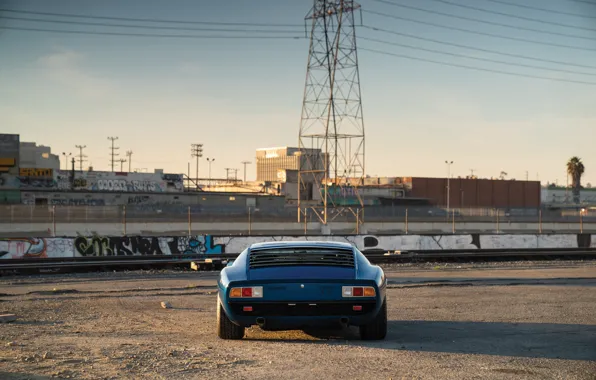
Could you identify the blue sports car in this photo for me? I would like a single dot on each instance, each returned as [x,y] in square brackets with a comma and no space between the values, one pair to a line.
[298,285]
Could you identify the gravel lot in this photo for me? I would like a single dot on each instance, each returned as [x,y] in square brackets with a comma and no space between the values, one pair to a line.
[450,322]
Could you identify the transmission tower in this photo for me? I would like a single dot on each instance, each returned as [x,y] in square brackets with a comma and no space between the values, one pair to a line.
[81,155]
[129,155]
[122,161]
[113,151]
[331,138]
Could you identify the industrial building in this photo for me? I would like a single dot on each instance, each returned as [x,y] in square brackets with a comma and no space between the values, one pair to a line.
[273,164]
[475,192]
[35,156]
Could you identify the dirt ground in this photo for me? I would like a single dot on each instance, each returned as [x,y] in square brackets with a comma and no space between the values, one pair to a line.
[445,323]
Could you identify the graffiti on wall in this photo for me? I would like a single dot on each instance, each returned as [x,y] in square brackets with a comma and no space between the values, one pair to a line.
[22,248]
[36,172]
[77,202]
[138,199]
[138,245]
[202,244]
[117,246]
[94,181]
[36,183]
[32,247]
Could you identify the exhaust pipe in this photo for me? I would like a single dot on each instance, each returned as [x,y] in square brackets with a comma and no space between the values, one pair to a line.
[344,321]
[261,321]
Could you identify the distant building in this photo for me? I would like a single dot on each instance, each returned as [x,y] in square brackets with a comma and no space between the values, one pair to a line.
[475,192]
[556,196]
[33,156]
[9,154]
[9,169]
[272,163]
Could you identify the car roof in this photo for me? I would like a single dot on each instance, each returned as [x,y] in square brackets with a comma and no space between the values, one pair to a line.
[304,243]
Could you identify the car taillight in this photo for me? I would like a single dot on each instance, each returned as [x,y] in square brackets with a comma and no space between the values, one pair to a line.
[358,291]
[249,292]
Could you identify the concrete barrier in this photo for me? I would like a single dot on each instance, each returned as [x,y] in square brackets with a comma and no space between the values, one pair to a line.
[98,245]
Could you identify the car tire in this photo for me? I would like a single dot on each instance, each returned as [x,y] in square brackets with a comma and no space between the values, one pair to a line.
[226,329]
[377,329]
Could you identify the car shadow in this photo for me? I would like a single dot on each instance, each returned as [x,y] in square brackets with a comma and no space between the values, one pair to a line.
[532,340]
[412,282]
[23,376]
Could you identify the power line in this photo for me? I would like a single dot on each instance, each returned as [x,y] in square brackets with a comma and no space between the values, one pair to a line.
[485,21]
[479,68]
[541,9]
[147,35]
[509,15]
[478,32]
[73,15]
[477,48]
[475,58]
[86,23]
[581,1]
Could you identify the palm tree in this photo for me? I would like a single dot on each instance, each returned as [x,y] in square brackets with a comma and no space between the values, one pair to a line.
[575,169]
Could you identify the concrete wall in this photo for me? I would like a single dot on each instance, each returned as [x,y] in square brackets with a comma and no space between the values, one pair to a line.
[98,245]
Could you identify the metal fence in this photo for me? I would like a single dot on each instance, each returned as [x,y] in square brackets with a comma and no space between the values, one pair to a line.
[202,214]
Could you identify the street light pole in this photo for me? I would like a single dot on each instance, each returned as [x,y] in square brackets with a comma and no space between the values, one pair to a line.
[210,161]
[449,163]
[245,163]
[66,159]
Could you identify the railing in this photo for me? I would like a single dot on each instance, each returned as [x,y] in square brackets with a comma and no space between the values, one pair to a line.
[169,213]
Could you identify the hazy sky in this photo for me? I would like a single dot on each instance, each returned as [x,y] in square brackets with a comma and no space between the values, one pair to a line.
[159,95]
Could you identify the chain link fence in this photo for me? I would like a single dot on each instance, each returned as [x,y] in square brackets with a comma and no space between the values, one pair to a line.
[202,214]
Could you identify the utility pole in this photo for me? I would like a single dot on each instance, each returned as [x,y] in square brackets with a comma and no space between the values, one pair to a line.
[228,172]
[196,150]
[81,155]
[472,172]
[449,163]
[235,175]
[122,161]
[113,149]
[129,155]
[245,163]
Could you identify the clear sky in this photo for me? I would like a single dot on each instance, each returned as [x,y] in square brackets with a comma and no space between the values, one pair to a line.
[159,95]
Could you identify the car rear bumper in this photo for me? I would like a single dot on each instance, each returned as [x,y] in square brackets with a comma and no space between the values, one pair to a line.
[296,315]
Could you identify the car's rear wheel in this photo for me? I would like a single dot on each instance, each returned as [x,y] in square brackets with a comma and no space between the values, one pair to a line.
[226,329]
[377,328]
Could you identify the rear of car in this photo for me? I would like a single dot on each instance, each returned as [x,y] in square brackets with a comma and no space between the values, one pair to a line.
[302,285]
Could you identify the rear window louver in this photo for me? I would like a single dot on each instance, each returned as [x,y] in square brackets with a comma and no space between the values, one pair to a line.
[264,258]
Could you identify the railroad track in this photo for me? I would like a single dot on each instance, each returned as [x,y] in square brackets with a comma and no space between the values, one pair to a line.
[218,261]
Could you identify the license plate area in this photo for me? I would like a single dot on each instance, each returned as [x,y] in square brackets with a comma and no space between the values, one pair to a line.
[303,309]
